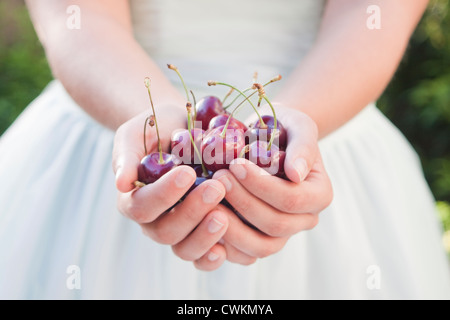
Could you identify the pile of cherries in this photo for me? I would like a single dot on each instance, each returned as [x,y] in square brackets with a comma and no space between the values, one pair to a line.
[214,137]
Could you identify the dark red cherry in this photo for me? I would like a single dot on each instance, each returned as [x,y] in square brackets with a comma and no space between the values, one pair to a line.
[181,145]
[222,119]
[151,169]
[207,108]
[199,180]
[199,171]
[271,160]
[218,151]
[258,133]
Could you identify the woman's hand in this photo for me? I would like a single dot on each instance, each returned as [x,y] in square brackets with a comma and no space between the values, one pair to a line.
[276,207]
[194,227]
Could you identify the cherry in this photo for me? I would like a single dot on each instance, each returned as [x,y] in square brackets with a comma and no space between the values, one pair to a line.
[220,146]
[181,145]
[257,133]
[199,180]
[270,159]
[207,108]
[156,164]
[151,168]
[222,119]
[200,174]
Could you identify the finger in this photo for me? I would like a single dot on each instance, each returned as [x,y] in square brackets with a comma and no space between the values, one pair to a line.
[236,256]
[302,148]
[203,238]
[128,152]
[145,204]
[248,240]
[173,227]
[311,195]
[212,260]
[264,217]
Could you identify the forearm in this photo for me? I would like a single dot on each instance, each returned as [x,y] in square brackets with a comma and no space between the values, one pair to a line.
[350,65]
[101,65]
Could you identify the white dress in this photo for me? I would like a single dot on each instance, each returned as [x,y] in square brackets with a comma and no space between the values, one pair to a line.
[379,239]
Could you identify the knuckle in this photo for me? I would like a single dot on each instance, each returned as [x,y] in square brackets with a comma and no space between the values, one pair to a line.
[271,247]
[291,203]
[162,235]
[314,127]
[183,254]
[135,212]
[309,123]
[161,197]
[330,195]
[314,221]
[327,196]
[243,205]
[191,214]
[278,228]
[309,152]
[266,250]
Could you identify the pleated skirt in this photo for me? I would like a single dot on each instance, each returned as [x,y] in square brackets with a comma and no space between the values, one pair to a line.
[62,237]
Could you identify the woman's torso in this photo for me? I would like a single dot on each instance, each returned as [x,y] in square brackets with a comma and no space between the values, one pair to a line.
[226,40]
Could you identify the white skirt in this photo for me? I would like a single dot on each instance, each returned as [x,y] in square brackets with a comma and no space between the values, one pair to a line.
[61,236]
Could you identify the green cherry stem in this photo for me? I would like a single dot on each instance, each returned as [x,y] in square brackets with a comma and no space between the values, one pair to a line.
[188,108]
[172,67]
[147,85]
[195,108]
[214,83]
[227,95]
[275,128]
[223,133]
[145,133]
[277,78]
[244,151]
[262,95]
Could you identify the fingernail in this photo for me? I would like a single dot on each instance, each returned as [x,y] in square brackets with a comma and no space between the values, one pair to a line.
[213,256]
[211,194]
[301,167]
[183,179]
[226,182]
[214,225]
[238,170]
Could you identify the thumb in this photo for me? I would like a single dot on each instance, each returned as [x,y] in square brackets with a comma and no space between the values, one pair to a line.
[302,148]
[127,153]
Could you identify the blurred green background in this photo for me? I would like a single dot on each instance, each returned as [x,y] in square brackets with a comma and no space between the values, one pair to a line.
[417,100]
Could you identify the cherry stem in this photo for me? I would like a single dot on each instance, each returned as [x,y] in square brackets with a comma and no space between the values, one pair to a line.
[139,184]
[232,115]
[242,94]
[277,78]
[244,151]
[172,67]
[275,129]
[204,171]
[227,95]
[145,130]
[147,85]
[195,108]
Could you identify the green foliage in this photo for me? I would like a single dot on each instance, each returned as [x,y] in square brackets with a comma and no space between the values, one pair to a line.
[417,100]
[24,71]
